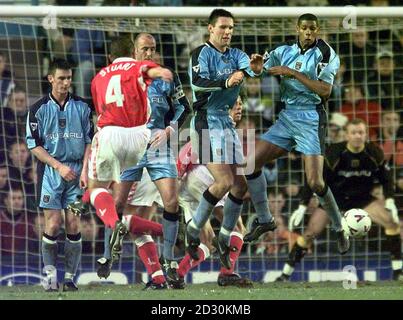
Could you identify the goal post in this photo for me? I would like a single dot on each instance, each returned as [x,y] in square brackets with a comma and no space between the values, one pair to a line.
[197,12]
[30,36]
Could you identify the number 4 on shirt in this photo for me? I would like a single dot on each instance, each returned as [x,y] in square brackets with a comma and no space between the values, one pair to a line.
[114,91]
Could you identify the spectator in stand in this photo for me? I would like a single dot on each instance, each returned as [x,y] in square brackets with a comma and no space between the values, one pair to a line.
[30,185]
[258,104]
[4,185]
[91,237]
[273,242]
[165,3]
[336,98]
[14,116]
[88,53]
[391,138]
[336,131]
[356,106]
[15,225]
[6,80]
[291,193]
[38,229]
[385,84]
[385,36]
[359,54]
[399,192]
[20,161]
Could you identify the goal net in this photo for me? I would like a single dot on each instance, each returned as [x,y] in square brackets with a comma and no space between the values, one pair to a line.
[370,48]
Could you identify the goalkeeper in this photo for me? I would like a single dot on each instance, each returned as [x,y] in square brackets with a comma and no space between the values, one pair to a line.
[352,169]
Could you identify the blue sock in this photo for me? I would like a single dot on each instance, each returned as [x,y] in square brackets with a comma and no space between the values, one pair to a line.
[49,250]
[107,238]
[258,192]
[203,212]
[232,211]
[72,254]
[328,203]
[170,226]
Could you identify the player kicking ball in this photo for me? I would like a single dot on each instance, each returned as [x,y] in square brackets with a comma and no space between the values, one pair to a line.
[119,93]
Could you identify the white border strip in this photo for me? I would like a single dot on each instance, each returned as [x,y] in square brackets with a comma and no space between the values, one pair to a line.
[195,12]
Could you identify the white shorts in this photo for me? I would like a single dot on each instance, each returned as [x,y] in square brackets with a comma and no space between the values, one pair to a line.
[146,192]
[192,188]
[114,149]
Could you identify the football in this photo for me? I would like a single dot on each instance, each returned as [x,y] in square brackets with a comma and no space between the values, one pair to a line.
[356,223]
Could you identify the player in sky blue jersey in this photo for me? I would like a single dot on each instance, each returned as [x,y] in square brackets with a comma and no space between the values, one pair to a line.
[307,68]
[216,72]
[59,132]
[169,109]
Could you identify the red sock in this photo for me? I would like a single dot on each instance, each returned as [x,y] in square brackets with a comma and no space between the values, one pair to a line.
[86,196]
[104,204]
[188,263]
[140,226]
[236,241]
[147,251]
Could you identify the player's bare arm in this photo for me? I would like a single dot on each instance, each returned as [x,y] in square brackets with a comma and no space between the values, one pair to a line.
[159,72]
[66,172]
[84,171]
[322,88]
[256,63]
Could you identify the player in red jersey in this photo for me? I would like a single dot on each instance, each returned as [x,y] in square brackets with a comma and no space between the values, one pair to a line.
[119,93]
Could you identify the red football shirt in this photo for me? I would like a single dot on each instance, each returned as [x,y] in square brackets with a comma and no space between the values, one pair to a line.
[119,93]
[186,159]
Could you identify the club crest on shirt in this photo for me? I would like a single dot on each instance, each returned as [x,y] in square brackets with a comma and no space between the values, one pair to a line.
[34,126]
[355,163]
[46,198]
[321,66]
[298,65]
[196,68]
[62,123]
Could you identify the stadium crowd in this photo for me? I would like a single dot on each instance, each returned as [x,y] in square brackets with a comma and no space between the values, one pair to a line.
[369,86]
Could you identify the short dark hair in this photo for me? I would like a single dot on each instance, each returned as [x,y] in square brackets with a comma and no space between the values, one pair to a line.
[355,122]
[121,47]
[15,186]
[60,64]
[308,17]
[217,13]
[19,89]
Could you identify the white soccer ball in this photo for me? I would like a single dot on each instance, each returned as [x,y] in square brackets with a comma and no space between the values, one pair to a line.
[356,223]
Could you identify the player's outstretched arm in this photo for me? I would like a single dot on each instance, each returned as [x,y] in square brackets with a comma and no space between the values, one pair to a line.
[159,72]
[323,89]
[256,63]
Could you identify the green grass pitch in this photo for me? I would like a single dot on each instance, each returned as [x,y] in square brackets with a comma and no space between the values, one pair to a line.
[270,291]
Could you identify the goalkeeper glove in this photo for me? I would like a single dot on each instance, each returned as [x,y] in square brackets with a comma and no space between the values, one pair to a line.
[296,217]
[391,206]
